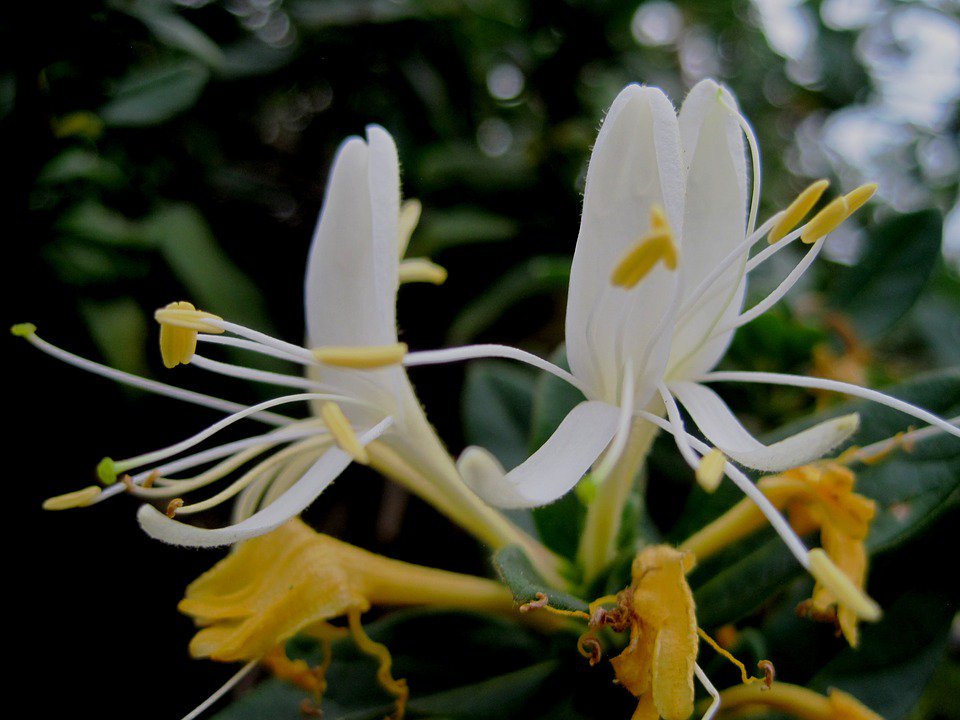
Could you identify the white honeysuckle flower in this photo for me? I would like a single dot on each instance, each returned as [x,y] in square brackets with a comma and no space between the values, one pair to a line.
[656,293]
[354,381]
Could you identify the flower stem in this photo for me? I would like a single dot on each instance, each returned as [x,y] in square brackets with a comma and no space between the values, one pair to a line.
[453,498]
[598,545]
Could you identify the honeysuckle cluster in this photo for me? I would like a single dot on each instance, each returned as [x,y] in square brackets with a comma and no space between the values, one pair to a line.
[657,288]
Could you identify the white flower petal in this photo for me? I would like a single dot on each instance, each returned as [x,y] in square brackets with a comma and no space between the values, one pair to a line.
[551,471]
[721,428]
[715,217]
[323,472]
[635,164]
[351,281]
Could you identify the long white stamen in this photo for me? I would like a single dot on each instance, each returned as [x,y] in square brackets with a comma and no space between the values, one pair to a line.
[151,385]
[267,488]
[679,430]
[221,691]
[172,488]
[307,446]
[773,298]
[268,440]
[771,250]
[755,160]
[732,257]
[266,340]
[253,347]
[715,705]
[176,448]
[747,487]
[471,352]
[623,425]
[903,440]
[264,376]
[834,386]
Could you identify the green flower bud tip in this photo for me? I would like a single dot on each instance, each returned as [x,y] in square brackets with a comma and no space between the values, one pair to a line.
[107,471]
[23,330]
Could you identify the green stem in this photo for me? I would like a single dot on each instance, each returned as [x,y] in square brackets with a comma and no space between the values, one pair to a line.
[598,544]
[449,495]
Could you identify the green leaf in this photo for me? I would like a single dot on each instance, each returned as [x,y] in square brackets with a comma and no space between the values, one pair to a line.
[462,225]
[900,257]
[539,275]
[177,32]
[518,573]
[496,408]
[152,95]
[92,221]
[81,264]
[119,328]
[212,280]
[75,164]
[896,657]
[500,696]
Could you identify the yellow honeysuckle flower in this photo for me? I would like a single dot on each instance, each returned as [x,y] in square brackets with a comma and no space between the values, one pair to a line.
[294,580]
[747,700]
[817,497]
[657,665]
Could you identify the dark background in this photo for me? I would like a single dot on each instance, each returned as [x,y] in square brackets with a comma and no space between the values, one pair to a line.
[147,165]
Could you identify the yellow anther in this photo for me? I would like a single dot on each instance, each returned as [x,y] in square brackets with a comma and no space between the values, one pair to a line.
[826,221]
[641,258]
[656,246]
[343,433]
[797,210]
[179,324]
[361,357]
[422,270]
[843,589]
[407,223]
[75,499]
[709,472]
[857,197]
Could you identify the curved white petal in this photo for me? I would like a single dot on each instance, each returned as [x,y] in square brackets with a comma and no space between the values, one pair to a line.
[721,428]
[314,481]
[714,223]
[350,291]
[551,471]
[635,164]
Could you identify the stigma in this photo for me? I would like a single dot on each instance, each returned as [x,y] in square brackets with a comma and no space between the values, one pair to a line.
[179,324]
[654,247]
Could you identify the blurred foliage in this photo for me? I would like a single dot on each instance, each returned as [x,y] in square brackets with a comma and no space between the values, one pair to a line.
[179,149]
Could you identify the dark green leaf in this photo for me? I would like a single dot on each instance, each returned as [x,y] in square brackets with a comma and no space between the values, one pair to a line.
[537,276]
[177,32]
[92,221]
[79,164]
[441,229]
[500,696]
[524,581]
[119,328]
[899,259]
[497,402]
[149,96]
